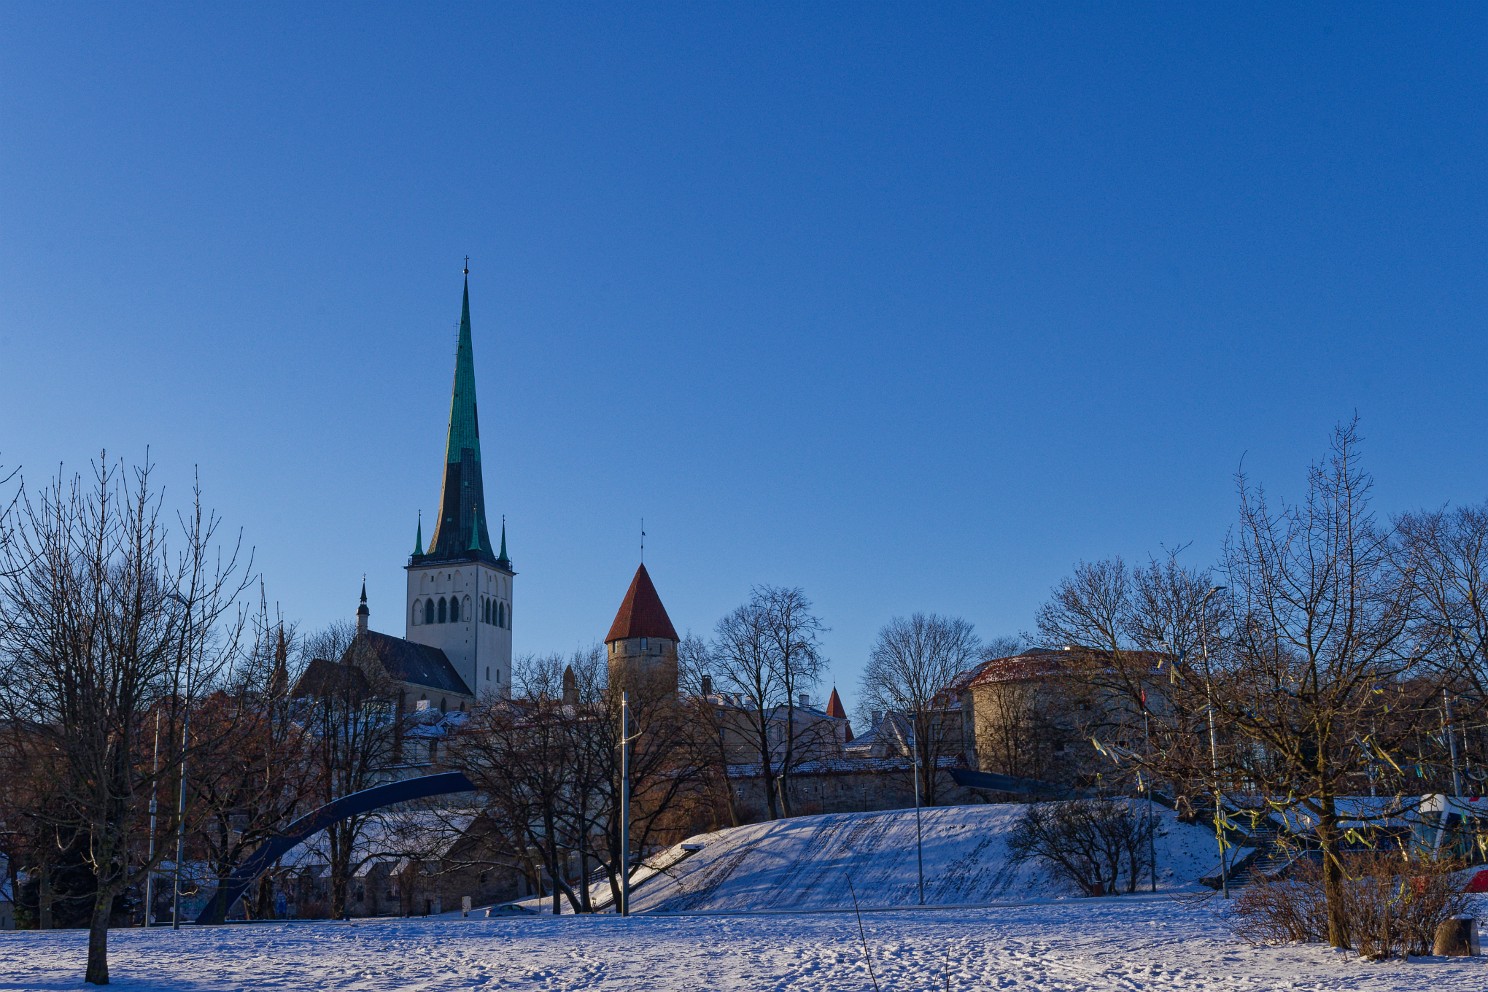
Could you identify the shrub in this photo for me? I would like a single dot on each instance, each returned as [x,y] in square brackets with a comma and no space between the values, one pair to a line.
[1097,845]
[1393,904]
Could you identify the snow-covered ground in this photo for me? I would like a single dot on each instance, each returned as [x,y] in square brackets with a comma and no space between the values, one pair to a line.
[1131,943]
[806,863]
[760,908]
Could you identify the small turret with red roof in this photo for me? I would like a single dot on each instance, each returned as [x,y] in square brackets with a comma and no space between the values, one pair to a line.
[836,712]
[642,643]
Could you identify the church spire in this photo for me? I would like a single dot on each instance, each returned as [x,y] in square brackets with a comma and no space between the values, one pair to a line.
[362,611]
[418,539]
[460,532]
[502,559]
[475,531]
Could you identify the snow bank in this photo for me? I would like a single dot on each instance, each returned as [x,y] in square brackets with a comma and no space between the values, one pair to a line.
[805,863]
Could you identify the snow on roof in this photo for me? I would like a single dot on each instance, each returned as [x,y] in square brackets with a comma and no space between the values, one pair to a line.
[1376,811]
[842,766]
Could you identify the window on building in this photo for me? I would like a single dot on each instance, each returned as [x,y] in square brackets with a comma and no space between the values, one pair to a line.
[428,611]
[643,645]
[443,610]
[418,612]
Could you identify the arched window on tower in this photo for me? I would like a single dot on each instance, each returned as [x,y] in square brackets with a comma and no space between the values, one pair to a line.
[501,614]
[428,611]
[443,610]
[418,612]
[454,610]
[468,613]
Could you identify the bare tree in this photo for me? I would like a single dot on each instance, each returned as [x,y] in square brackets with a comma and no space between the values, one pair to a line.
[768,651]
[109,613]
[708,711]
[548,762]
[1097,845]
[353,736]
[1305,669]
[1445,554]
[1316,628]
[259,771]
[910,670]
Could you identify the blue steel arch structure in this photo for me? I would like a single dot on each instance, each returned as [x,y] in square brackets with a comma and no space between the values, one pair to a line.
[445,783]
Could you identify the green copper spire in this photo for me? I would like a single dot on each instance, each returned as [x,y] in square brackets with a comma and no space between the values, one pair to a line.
[464,427]
[418,541]
[475,541]
[460,532]
[502,559]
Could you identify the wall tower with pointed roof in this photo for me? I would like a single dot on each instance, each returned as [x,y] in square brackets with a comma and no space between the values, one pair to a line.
[641,646]
[460,586]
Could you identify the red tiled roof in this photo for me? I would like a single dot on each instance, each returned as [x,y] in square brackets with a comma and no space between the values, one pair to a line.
[1042,663]
[836,711]
[641,614]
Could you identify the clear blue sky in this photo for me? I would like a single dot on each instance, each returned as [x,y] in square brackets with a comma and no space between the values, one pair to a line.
[910,305]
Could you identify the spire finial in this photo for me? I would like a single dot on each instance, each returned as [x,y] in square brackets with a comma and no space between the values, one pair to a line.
[467,265]
[643,540]
[364,588]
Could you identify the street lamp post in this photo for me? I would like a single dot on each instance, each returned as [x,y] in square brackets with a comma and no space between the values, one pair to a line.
[180,823]
[1151,827]
[1224,880]
[1451,741]
[625,803]
[919,835]
[150,856]
[185,743]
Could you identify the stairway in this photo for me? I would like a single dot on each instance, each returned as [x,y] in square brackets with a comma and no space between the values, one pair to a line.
[1267,857]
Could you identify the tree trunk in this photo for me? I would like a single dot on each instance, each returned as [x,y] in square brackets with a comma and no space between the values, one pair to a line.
[263,901]
[339,886]
[586,903]
[98,973]
[1338,924]
[44,898]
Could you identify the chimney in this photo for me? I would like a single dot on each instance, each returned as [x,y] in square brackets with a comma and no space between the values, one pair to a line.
[805,702]
[877,717]
[570,687]
[707,685]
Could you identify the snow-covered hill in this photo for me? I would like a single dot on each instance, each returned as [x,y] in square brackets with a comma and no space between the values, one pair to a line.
[805,863]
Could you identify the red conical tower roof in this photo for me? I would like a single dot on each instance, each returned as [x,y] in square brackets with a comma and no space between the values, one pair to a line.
[641,614]
[835,710]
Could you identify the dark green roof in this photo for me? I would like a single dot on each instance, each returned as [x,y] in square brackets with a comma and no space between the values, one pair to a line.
[460,531]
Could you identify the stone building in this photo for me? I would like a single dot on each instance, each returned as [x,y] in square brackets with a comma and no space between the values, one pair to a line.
[1034,714]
